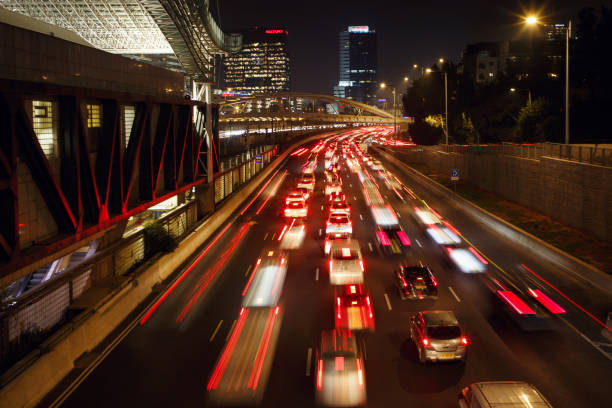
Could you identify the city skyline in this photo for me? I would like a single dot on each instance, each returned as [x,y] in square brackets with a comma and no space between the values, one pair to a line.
[408,32]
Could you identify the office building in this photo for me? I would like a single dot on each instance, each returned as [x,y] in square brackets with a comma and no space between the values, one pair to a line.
[262,66]
[357,65]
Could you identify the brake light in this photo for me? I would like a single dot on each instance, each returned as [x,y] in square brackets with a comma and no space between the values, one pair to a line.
[382,237]
[547,302]
[359,373]
[320,375]
[420,278]
[515,302]
[339,363]
[433,280]
[425,342]
[464,340]
[403,238]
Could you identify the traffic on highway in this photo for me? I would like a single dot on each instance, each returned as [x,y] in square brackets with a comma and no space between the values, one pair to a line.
[344,281]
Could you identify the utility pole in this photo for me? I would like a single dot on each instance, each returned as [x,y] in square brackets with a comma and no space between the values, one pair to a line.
[567,82]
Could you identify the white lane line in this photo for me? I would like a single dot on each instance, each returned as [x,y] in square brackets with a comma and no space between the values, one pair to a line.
[418,243]
[370,245]
[388,302]
[266,236]
[308,361]
[216,330]
[454,294]
[317,274]
[399,215]
[350,185]
[361,217]
[320,231]
[355,198]
[248,269]
[322,208]
[273,235]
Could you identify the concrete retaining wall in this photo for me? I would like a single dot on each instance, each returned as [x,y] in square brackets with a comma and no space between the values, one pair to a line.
[514,234]
[27,389]
[576,194]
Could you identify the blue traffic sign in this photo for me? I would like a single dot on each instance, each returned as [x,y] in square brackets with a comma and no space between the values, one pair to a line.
[454,174]
[258,159]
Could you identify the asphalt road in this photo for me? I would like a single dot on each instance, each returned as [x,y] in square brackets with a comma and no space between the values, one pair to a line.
[168,360]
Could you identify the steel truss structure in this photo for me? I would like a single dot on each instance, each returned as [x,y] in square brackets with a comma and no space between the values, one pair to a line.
[183,27]
[301,107]
[97,188]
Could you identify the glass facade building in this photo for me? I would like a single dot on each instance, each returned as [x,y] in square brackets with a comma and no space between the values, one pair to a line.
[357,65]
[263,65]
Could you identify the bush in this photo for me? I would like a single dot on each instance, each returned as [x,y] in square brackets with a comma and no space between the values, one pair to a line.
[157,239]
[424,134]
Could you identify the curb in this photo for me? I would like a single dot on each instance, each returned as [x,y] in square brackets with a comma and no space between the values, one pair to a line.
[553,254]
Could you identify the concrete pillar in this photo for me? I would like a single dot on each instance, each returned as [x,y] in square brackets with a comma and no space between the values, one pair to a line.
[205,199]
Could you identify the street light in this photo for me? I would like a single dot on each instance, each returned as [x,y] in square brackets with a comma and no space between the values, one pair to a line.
[532,20]
[441,60]
[445,102]
[383,86]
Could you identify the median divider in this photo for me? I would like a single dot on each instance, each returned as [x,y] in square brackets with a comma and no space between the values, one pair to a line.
[552,254]
[92,326]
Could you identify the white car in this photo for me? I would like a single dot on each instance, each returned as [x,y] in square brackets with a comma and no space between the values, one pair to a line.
[339,208]
[307,181]
[345,262]
[294,196]
[468,260]
[339,370]
[264,287]
[339,223]
[330,238]
[296,209]
[332,187]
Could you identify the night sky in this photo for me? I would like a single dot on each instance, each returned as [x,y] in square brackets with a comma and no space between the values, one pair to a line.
[408,31]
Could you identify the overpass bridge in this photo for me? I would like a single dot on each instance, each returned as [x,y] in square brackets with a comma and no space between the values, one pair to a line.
[296,112]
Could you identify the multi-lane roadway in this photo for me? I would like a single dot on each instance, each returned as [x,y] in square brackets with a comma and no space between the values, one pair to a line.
[168,351]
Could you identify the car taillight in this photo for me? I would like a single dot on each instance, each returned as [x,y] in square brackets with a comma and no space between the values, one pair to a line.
[330,266]
[464,340]
[359,373]
[435,282]
[320,375]
[425,342]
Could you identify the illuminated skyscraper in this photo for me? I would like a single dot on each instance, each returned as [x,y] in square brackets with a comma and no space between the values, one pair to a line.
[357,76]
[262,66]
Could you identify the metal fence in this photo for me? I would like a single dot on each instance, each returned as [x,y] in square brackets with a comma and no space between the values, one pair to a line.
[240,169]
[48,305]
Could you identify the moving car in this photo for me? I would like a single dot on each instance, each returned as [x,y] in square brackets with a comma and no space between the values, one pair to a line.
[345,262]
[392,239]
[438,336]
[264,287]
[340,207]
[296,209]
[333,187]
[416,282]
[353,308]
[339,370]
[492,394]
[294,196]
[330,238]
[337,197]
[339,223]
[305,192]
[468,260]
[307,181]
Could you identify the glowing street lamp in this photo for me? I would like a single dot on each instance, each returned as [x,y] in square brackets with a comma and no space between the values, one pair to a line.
[429,70]
[531,20]
[383,86]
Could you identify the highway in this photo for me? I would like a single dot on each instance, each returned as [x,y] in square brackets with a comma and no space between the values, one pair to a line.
[165,355]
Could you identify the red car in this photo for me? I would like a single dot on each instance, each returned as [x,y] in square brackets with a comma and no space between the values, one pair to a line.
[353,308]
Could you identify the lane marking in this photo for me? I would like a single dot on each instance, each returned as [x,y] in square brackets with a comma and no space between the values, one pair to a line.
[418,243]
[216,330]
[399,215]
[273,235]
[370,245]
[606,354]
[266,236]
[388,302]
[350,185]
[230,331]
[317,274]
[355,198]
[361,217]
[322,208]
[248,269]
[454,294]
[320,231]
[308,361]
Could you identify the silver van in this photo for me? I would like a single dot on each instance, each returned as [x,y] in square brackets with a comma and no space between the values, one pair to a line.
[506,394]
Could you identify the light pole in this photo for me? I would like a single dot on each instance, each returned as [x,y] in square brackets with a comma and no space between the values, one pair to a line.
[528,94]
[428,71]
[383,86]
[531,20]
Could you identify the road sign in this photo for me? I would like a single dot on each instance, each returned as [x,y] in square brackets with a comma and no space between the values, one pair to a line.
[258,159]
[454,174]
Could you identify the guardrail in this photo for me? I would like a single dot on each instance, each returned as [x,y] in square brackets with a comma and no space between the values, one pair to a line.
[591,154]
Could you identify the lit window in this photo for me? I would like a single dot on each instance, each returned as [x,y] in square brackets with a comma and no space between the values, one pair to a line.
[93,116]
[42,122]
